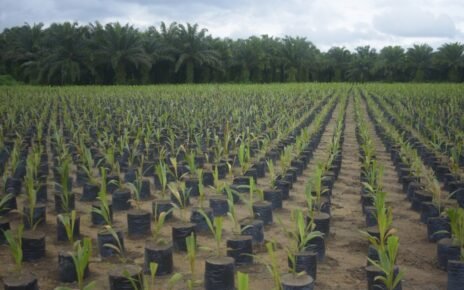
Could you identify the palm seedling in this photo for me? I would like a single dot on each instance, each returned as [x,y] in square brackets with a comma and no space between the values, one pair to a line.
[286,159]
[244,157]
[150,285]
[299,235]
[31,198]
[110,159]
[455,156]
[116,245]
[136,188]
[242,281]
[104,209]
[173,280]
[201,189]
[219,185]
[226,138]
[456,216]
[159,220]
[191,245]
[232,213]
[87,165]
[81,258]
[272,173]
[4,203]
[190,159]
[161,171]
[434,187]
[384,222]
[373,174]
[181,195]
[390,277]
[69,222]
[218,150]
[15,157]
[309,199]
[251,196]
[15,245]
[272,265]
[65,193]
[317,187]
[215,226]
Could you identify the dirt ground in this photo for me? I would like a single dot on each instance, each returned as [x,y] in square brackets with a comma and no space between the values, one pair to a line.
[346,249]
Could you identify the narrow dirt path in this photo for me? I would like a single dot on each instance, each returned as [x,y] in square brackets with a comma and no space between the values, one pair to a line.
[417,256]
[346,249]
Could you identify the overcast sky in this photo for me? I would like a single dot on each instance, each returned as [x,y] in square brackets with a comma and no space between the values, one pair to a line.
[324,22]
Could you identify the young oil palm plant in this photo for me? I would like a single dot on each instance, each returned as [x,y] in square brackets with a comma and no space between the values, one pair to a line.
[161,170]
[103,210]
[14,241]
[391,276]
[243,156]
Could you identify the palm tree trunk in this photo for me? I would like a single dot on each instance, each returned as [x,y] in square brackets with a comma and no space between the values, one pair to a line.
[120,75]
[245,74]
[189,71]
[291,74]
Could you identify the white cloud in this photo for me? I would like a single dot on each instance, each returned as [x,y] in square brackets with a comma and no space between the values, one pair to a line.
[411,21]
[325,23]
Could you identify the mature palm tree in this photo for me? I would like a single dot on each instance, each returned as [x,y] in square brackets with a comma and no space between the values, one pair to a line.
[273,60]
[120,48]
[338,61]
[194,50]
[297,53]
[158,50]
[419,59]
[450,56]
[22,51]
[391,63]
[249,57]
[66,56]
[362,64]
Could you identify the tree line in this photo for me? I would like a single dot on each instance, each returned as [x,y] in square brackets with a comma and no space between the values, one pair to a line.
[69,53]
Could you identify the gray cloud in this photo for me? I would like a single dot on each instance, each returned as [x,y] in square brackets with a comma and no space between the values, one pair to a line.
[325,23]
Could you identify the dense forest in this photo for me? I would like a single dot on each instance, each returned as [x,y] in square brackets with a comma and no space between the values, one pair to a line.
[69,53]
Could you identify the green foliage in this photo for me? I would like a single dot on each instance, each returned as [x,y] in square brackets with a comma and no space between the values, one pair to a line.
[8,80]
[173,280]
[316,185]
[215,227]
[81,258]
[15,245]
[104,210]
[244,157]
[456,216]
[242,279]
[384,222]
[387,263]
[69,223]
[201,189]
[181,194]
[232,214]
[161,171]
[118,248]
[272,173]
[191,244]
[4,201]
[158,225]
[273,265]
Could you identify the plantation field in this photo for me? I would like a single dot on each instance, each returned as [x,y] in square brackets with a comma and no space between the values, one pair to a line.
[290,184]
